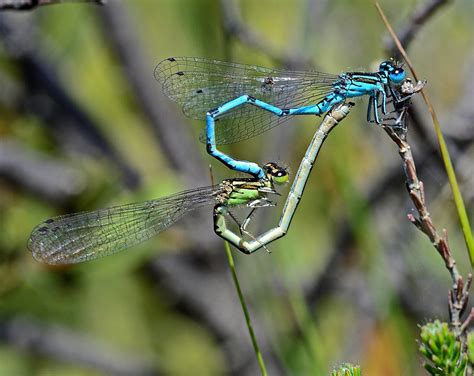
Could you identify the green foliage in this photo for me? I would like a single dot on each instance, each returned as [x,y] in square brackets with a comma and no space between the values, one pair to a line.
[443,351]
[470,347]
[118,301]
[346,369]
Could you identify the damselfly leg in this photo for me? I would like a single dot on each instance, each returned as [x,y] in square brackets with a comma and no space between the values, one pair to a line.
[395,119]
[332,118]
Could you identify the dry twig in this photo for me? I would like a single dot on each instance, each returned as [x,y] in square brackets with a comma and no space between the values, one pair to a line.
[48,98]
[171,132]
[31,4]
[419,18]
[69,346]
[458,296]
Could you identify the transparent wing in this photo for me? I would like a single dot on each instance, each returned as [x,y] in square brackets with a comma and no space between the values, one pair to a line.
[200,85]
[79,237]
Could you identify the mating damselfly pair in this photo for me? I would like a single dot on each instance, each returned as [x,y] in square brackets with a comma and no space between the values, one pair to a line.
[237,101]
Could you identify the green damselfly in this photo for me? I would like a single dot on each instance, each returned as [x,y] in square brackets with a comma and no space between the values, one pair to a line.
[84,236]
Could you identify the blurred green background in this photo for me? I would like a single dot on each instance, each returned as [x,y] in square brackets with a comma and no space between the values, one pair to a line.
[83,125]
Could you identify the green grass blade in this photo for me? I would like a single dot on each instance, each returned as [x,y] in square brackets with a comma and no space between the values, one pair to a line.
[248,321]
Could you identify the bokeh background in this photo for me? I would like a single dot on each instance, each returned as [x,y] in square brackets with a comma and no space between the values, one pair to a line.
[84,125]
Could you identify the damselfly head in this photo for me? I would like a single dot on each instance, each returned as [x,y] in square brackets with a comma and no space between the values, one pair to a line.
[276,173]
[393,70]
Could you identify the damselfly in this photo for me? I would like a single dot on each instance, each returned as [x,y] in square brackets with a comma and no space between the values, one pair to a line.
[79,237]
[213,90]
[394,122]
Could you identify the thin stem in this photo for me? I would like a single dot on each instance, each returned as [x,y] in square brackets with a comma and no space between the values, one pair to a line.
[458,200]
[248,321]
[459,294]
[468,321]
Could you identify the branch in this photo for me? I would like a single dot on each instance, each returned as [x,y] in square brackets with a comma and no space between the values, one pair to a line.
[172,134]
[407,34]
[234,27]
[66,345]
[418,19]
[48,178]
[31,4]
[378,193]
[459,294]
[46,97]
[448,164]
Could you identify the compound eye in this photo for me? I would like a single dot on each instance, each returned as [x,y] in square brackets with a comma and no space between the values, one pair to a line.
[397,76]
[280,176]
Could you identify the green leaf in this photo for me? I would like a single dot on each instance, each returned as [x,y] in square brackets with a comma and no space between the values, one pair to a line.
[347,369]
[442,349]
[470,347]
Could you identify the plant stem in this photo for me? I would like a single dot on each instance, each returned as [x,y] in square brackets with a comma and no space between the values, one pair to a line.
[448,165]
[458,296]
[248,321]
